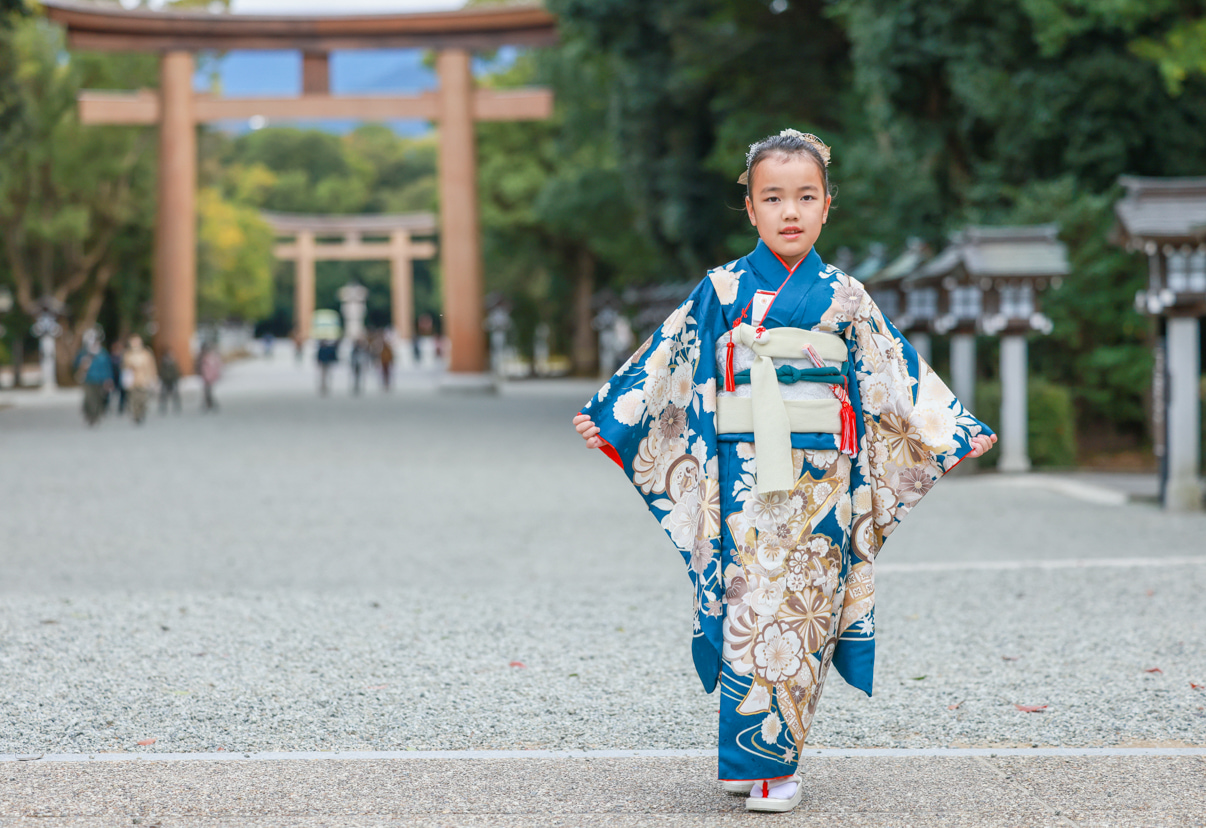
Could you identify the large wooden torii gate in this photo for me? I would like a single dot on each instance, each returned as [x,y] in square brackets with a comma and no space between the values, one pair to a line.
[456,106]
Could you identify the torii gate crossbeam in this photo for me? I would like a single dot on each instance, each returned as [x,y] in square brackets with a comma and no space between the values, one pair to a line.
[456,106]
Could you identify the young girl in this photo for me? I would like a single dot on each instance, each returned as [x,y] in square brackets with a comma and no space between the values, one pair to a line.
[779,427]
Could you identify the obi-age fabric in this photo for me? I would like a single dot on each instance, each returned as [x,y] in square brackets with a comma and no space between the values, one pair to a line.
[783,579]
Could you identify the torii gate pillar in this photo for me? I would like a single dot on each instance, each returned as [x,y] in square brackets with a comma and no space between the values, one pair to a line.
[175,281]
[460,232]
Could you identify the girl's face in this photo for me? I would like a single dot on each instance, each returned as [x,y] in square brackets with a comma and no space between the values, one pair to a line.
[788,205]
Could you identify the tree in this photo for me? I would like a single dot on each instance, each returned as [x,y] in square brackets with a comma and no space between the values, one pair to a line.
[68,192]
[688,85]
[234,273]
[556,215]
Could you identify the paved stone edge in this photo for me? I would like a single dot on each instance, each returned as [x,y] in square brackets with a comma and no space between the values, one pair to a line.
[852,753]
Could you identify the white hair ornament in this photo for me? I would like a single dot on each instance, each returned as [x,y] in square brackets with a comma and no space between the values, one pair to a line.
[807,137]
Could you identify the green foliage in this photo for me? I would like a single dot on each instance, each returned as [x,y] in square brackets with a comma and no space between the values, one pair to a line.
[687,85]
[554,206]
[1100,346]
[72,198]
[309,171]
[234,261]
[1180,53]
[1051,424]
[984,99]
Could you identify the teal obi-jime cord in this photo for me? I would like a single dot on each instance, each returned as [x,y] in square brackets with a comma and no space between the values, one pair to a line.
[789,375]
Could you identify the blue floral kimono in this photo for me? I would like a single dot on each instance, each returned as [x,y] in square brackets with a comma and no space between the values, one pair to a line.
[783,579]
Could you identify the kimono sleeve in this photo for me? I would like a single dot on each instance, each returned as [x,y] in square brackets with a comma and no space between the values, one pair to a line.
[912,429]
[658,413]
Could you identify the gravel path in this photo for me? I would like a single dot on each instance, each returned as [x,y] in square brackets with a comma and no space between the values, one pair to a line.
[339,574]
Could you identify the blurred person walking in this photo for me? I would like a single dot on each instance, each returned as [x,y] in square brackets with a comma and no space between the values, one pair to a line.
[387,362]
[209,366]
[116,359]
[94,370]
[359,359]
[138,364]
[328,355]
[169,381]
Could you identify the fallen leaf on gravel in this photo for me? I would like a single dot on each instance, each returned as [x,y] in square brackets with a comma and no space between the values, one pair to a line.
[1197,686]
[954,706]
[517,664]
[146,741]
[918,678]
[1030,708]
[1010,658]
[1155,670]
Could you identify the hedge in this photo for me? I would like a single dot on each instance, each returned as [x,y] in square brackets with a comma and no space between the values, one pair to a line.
[1051,432]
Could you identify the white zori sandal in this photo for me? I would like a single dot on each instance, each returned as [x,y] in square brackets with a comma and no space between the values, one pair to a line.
[776,798]
[742,787]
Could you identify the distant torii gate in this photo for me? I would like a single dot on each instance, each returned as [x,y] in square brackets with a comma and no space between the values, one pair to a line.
[456,106]
[400,251]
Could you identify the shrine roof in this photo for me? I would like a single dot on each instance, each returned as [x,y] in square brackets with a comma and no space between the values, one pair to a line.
[113,28]
[910,259]
[1162,209]
[1033,251]
[354,223]
[871,265]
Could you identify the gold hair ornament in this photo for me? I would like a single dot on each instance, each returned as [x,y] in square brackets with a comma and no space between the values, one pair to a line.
[807,137]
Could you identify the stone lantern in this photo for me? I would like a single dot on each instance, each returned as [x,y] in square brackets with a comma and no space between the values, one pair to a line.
[988,282]
[1165,218]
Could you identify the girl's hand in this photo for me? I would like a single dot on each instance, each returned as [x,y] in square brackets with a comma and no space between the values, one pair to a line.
[588,430]
[981,444]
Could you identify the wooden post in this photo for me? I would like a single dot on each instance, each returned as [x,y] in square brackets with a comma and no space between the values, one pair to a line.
[402,277]
[175,281]
[586,339]
[303,284]
[316,76]
[460,234]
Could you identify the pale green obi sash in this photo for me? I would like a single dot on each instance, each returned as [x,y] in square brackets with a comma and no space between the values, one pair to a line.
[765,413]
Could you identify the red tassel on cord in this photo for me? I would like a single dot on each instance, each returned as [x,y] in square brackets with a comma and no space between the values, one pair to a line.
[849,425]
[730,384]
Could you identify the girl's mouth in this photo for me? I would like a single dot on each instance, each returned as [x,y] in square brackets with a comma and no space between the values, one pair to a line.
[791,233]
